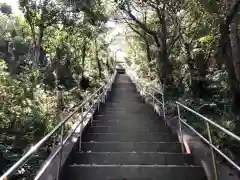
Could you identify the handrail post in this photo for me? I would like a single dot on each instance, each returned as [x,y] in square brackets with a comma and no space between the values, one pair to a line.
[106,93]
[102,96]
[153,97]
[180,128]
[212,151]
[91,120]
[81,124]
[60,153]
[163,106]
[98,99]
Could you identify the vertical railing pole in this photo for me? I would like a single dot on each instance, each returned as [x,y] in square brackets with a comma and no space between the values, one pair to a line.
[60,153]
[106,93]
[163,106]
[98,99]
[102,96]
[212,151]
[141,90]
[153,102]
[91,120]
[81,124]
[180,128]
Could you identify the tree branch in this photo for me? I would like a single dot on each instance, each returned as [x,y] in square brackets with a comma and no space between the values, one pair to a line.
[141,25]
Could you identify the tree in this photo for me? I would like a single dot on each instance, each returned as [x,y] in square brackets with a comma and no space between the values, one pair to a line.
[5,9]
[52,65]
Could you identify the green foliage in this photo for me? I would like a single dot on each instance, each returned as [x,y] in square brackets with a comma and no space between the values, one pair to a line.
[200,77]
[47,53]
[211,5]
[206,39]
[17,111]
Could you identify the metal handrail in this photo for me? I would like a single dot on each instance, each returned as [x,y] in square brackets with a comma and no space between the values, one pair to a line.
[209,140]
[140,81]
[34,148]
[141,85]
[211,122]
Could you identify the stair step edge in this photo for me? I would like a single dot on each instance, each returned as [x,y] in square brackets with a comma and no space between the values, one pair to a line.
[160,153]
[120,142]
[129,166]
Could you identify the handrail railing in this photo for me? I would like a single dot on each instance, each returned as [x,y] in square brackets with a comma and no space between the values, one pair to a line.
[105,88]
[142,86]
[209,140]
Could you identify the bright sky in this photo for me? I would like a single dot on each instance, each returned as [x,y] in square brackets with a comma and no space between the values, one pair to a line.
[117,45]
[14,4]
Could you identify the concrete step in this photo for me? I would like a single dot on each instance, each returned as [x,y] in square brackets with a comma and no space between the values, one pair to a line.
[149,115]
[121,71]
[143,158]
[116,111]
[124,109]
[128,172]
[122,97]
[126,104]
[125,93]
[126,122]
[124,84]
[131,147]
[119,87]
[126,99]
[127,116]
[130,111]
[129,90]
[131,137]
[127,129]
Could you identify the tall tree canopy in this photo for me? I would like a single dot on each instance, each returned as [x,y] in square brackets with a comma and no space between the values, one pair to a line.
[191,50]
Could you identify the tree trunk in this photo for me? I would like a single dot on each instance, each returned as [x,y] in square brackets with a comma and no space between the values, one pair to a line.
[235,47]
[83,57]
[98,60]
[165,64]
[229,51]
[147,51]
[145,37]
[201,74]
[226,54]
[160,77]
[190,64]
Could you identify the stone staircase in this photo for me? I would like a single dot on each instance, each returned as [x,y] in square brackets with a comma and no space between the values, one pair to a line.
[129,141]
